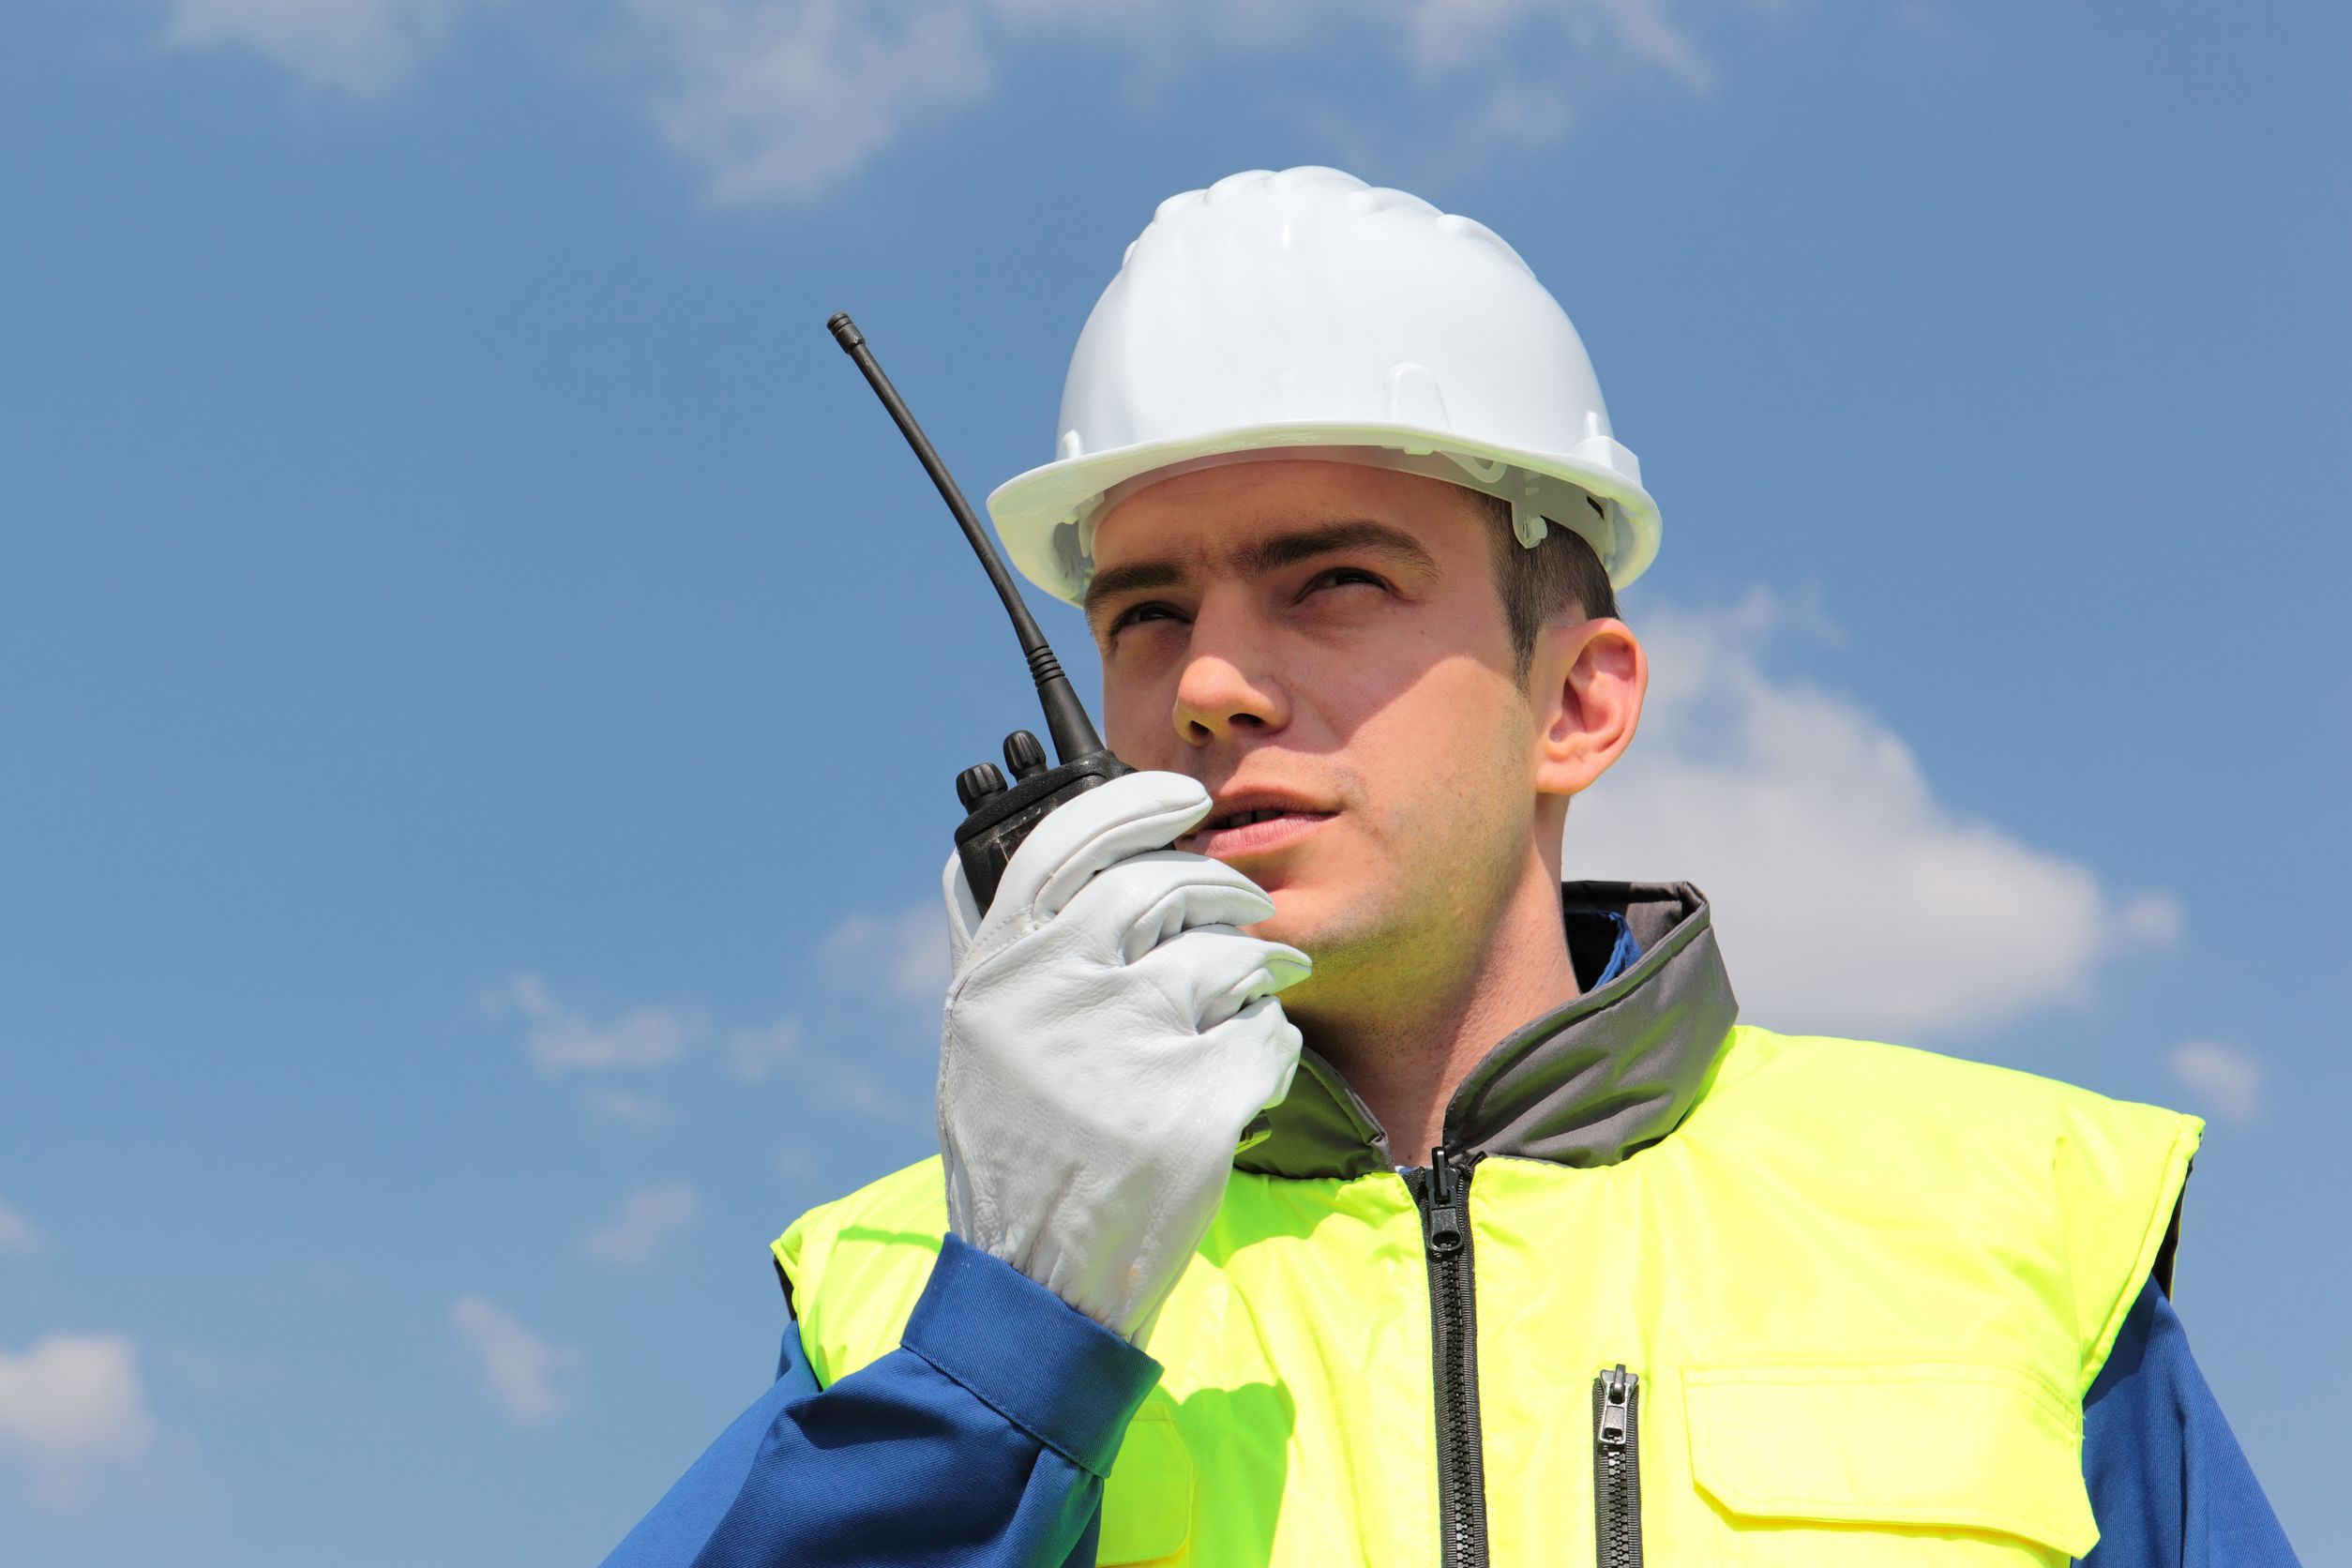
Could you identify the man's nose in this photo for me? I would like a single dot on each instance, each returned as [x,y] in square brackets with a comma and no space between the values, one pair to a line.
[1227,688]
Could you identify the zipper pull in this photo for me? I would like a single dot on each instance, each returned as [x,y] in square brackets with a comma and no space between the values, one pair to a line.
[1617,1391]
[1443,1225]
[1617,1469]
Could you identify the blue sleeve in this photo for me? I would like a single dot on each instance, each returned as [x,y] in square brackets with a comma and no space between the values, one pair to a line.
[2168,1484]
[981,1442]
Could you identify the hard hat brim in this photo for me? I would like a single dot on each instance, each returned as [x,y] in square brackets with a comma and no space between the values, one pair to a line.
[1038,513]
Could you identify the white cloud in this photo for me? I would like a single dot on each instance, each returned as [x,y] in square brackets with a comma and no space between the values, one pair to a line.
[788,99]
[560,1040]
[644,1221]
[1920,16]
[362,48]
[903,956]
[861,1090]
[1475,34]
[791,97]
[70,1406]
[754,1053]
[623,1105]
[525,1376]
[2151,920]
[1849,900]
[18,1236]
[2226,1079]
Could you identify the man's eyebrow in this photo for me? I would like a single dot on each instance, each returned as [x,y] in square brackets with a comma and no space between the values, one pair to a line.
[1134,577]
[1265,555]
[1289,549]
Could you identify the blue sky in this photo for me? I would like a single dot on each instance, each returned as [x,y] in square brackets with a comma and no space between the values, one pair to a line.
[479,680]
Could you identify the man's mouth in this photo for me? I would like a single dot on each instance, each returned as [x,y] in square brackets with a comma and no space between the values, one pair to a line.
[1243,819]
[1249,829]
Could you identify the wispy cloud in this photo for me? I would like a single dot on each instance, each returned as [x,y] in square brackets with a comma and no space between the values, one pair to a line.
[754,1053]
[646,1219]
[529,1379]
[560,1040]
[786,99]
[789,97]
[2224,1079]
[1849,898]
[626,1106]
[71,1407]
[902,955]
[885,963]
[18,1237]
[360,48]
[855,1089]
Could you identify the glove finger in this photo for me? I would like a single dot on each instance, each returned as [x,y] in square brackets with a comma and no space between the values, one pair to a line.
[1213,973]
[1131,814]
[963,911]
[1259,1049]
[1279,967]
[1148,899]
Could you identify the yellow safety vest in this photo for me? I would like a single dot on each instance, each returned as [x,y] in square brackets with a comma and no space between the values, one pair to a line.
[1860,1291]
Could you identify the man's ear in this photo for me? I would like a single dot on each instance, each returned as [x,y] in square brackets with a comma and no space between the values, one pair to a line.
[1587,682]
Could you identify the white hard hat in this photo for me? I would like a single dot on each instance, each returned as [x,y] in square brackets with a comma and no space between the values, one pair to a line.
[1306,309]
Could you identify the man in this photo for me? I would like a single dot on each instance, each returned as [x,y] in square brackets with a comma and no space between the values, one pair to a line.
[1537,1256]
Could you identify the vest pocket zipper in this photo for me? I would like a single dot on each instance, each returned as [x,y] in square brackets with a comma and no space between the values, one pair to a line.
[1617,1469]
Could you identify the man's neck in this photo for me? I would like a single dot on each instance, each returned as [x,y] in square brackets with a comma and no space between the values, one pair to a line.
[1404,1049]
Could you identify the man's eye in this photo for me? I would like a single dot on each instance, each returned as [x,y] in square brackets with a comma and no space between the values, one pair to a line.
[1151,610]
[1340,576]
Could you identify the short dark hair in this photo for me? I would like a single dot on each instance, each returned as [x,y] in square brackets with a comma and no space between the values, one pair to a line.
[1537,584]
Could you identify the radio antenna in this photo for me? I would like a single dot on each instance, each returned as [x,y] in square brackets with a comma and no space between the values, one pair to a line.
[1073,732]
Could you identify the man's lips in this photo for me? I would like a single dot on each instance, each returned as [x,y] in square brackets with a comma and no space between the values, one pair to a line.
[1254,824]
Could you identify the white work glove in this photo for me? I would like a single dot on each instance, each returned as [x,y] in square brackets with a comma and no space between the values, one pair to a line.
[1109,1033]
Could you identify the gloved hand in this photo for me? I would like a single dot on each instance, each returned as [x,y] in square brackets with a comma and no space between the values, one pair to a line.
[1108,1033]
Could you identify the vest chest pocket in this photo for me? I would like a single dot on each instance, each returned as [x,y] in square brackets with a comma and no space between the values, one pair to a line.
[1147,1500]
[1949,1464]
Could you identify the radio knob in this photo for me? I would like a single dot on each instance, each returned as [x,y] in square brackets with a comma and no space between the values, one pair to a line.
[1023,755]
[979,783]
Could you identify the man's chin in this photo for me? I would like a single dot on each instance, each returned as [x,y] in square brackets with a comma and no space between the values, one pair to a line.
[1314,921]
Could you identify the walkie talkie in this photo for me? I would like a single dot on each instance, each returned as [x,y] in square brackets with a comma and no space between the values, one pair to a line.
[1001,812]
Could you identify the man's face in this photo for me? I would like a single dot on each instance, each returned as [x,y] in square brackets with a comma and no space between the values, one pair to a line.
[1321,645]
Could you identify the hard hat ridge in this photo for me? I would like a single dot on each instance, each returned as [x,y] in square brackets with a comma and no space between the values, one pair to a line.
[1304,308]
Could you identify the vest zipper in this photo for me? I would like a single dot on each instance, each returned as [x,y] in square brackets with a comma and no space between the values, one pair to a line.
[1617,1469]
[1443,1193]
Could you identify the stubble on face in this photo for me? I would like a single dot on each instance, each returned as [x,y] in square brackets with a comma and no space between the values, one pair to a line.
[1407,715]
[1454,856]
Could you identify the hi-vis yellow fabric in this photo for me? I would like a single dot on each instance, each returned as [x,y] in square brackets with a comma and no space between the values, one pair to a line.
[1865,1287]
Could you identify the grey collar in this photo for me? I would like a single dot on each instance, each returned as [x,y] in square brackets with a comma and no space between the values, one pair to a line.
[1611,1073]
